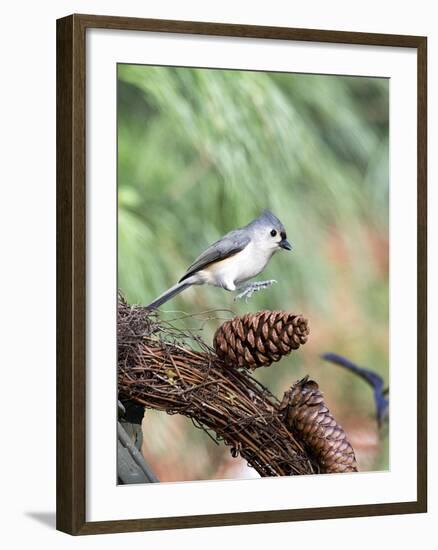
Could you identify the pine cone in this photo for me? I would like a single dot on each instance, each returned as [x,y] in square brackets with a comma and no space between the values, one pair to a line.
[259,339]
[308,418]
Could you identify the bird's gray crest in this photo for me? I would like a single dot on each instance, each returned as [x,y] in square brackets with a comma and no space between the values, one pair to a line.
[270,219]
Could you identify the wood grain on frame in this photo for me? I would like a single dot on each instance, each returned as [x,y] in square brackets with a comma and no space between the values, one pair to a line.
[71,269]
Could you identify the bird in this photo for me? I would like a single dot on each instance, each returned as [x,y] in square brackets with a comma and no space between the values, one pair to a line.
[372,378]
[237,257]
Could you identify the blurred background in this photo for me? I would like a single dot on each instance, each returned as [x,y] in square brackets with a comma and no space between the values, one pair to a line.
[201,152]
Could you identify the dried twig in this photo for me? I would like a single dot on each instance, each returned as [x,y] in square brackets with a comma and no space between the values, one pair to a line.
[160,368]
[168,369]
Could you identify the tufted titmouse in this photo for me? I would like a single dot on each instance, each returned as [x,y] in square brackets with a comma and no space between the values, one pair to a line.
[236,257]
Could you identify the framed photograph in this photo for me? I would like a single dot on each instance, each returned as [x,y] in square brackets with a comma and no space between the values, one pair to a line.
[241,274]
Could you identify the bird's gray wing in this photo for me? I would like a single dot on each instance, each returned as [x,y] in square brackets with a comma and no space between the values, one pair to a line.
[230,244]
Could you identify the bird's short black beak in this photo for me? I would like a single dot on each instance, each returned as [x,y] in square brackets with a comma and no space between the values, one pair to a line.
[284,243]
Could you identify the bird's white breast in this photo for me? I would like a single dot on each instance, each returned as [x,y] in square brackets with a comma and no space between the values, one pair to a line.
[236,269]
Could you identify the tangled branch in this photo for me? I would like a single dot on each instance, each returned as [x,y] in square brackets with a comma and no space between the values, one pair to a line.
[167,369]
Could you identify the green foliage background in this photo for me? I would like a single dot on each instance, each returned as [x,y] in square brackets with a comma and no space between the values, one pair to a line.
[203,151]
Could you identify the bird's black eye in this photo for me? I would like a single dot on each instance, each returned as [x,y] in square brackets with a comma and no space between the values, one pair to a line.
[273,233]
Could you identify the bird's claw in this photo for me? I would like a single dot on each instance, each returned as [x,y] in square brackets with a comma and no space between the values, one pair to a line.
[254,287]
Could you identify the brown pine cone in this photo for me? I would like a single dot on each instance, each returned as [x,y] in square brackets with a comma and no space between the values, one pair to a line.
[308,418]
[259,339]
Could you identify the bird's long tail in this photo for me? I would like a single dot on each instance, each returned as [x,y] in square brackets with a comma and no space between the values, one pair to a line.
[170,293]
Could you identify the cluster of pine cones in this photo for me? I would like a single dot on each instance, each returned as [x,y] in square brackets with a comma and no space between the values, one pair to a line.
[260,339]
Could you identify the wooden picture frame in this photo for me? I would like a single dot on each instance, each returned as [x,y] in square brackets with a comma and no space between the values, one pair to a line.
[71,272]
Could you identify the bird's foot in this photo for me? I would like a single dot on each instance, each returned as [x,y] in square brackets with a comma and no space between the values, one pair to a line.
[249,290]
